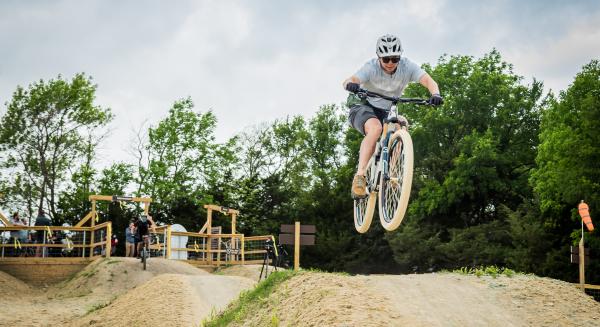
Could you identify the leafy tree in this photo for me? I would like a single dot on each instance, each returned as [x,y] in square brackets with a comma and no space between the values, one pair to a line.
[180,163]
[473,155]
[568,170]
[44,131]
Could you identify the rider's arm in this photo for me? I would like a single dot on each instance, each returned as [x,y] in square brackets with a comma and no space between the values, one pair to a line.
[152,224]
[429,83]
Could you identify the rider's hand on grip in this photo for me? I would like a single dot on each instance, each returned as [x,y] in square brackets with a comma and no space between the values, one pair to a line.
[436,99]
[352,87]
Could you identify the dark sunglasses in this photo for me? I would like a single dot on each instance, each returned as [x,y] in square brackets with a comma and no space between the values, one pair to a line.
[394,60]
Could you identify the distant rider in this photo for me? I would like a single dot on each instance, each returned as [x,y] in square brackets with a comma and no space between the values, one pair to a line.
[388,74]
[142,225]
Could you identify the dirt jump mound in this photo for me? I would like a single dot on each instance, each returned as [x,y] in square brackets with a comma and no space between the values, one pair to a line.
[443,299]
[117,292]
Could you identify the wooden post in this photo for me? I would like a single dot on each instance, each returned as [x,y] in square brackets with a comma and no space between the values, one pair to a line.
[168,242]
[243,250]
[297,246]
[92,228]
[209,221]
[108,240]
[581,261]
[5,220]
[209,233]
[219,252]
[233,216]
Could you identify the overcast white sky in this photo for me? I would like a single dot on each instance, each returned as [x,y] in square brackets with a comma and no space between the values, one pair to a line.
[254,61]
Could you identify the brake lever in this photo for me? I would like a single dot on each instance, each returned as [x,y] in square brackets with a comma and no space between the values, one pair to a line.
[362,94]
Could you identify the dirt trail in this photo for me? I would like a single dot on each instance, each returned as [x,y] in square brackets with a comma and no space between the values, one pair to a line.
[458,300]
[317,299]
[169,300]
[116,292]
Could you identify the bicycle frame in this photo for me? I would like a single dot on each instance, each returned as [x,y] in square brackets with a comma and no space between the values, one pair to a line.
[393,200]
[381,154]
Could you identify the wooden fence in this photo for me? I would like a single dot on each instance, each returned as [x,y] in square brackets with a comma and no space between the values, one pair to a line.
[54,241]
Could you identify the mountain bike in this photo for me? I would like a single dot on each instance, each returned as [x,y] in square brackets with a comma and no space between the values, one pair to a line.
[389,171]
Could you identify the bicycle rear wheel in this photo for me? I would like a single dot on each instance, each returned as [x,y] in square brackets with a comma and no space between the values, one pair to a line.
[394,191]
[364,208]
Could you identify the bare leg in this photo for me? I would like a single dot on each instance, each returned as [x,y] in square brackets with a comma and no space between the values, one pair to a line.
[373,130]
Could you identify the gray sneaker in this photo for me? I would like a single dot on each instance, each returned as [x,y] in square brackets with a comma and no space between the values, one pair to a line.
[359,187]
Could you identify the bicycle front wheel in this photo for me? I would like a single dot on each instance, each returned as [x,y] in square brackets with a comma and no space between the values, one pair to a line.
[364,208]
[394,190]
[144,257]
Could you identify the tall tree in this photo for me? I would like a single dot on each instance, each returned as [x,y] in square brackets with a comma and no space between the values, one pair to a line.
[179,159]
[44,132]
[568,169]
[473,155]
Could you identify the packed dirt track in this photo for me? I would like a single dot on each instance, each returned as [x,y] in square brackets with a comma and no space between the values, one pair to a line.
[116,292]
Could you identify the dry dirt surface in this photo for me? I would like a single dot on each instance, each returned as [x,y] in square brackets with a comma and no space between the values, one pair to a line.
[116,292]
[317,299]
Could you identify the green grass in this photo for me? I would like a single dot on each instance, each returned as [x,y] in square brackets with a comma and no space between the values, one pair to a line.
[89,273]
[250,301]
[492,271]
[100,306]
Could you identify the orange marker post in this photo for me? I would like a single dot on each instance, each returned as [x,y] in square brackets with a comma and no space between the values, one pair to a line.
[584,212]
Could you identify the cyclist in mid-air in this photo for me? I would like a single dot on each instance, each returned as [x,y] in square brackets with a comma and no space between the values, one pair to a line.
[388,74]
[143,225]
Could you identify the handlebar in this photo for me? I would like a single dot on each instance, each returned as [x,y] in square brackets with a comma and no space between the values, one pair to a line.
[362,93]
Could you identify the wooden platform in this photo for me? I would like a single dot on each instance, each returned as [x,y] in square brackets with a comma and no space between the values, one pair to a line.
[43,271]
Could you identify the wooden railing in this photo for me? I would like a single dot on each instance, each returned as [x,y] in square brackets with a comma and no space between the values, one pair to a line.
[94,241]
[210,249]
[55,241]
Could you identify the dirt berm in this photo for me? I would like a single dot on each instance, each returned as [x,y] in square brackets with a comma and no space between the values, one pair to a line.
[446,299]
[116,292]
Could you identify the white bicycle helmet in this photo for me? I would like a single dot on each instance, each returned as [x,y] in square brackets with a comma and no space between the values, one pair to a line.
[389,45]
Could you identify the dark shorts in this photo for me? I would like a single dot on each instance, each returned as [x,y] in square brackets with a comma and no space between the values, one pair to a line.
[360,113]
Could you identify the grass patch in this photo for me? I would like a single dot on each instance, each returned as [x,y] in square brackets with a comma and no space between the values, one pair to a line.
[112,261]
[99,306]
[89,273]
[249,301]
[492,271]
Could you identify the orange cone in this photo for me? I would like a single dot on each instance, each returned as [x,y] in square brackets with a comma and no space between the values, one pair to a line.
[584,212]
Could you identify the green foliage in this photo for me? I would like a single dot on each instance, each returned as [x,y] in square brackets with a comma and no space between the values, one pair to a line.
[46,130]
[568,170]
[569,149]
[492,271]
[472,156]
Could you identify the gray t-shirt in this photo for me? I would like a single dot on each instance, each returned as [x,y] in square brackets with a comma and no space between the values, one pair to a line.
[374,78]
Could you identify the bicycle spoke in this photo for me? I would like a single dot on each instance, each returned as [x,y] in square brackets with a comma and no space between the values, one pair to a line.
[393,188]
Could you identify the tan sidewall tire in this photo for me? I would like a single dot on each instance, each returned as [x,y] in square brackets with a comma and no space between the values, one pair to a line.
[370,209]
[368,214]
[406,181]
